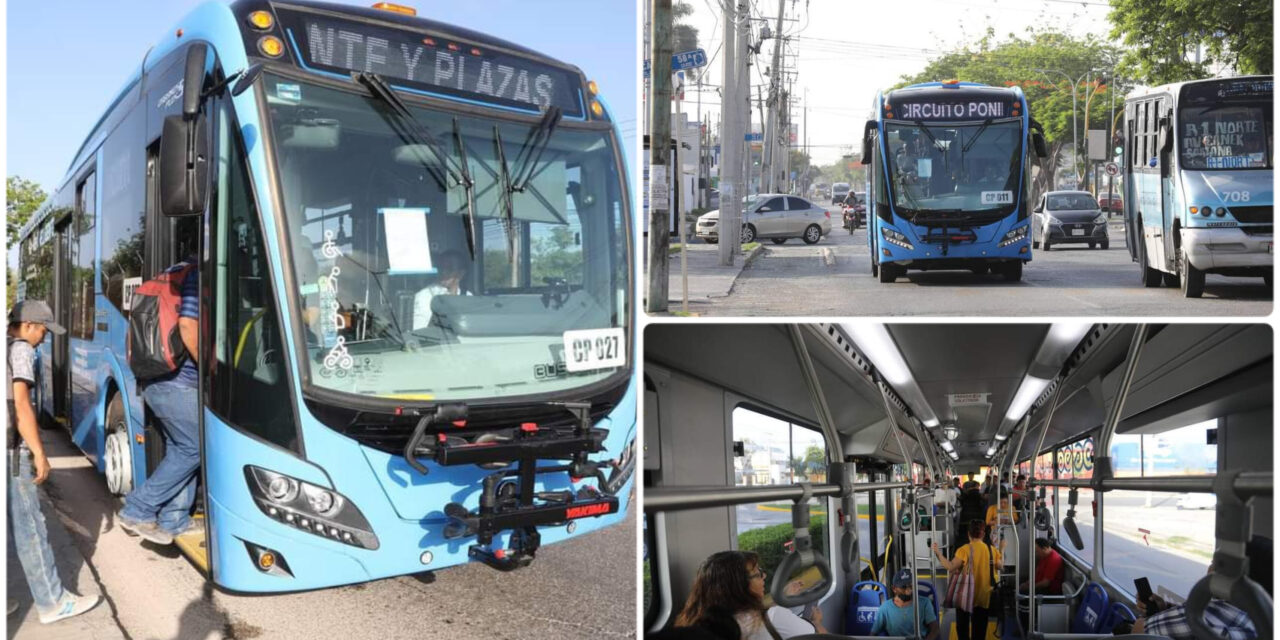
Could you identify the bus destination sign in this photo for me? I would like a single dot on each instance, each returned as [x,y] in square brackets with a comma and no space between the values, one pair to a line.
[437,65]
[932,110]
[1229,89]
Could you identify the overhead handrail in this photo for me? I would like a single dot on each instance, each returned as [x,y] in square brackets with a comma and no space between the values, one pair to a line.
[835,448]
[802,556]
[1247,484]
[1035,509]
[1230,578]
[1102,468]
[658,499]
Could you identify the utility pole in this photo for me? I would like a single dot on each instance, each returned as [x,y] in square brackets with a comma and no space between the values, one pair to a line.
[769,163]
[702,145]
[743,42]
[731,137]
[659,153]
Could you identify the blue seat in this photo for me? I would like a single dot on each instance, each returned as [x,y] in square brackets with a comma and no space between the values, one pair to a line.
[1093,607]
[1117,612]
[927,590]
[865,599]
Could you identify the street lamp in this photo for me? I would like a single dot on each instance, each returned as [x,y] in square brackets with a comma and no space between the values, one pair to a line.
[1075,140]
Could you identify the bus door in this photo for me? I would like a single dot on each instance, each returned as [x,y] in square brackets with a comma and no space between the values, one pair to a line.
[1168,213]
[60,301]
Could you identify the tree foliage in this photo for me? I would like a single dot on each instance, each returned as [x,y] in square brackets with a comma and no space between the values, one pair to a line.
[1017,60]
[686,36]
[1161,37]
[22,198]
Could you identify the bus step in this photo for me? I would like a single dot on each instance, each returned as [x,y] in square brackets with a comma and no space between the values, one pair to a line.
[192,544]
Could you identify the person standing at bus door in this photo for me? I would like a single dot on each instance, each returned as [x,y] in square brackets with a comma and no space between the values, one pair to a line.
[894,615]
[29,322]
[985,559]
[1224,618]
[452,269]
[733,581]
[160,509]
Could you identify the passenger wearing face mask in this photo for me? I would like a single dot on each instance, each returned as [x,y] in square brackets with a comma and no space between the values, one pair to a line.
[894,617]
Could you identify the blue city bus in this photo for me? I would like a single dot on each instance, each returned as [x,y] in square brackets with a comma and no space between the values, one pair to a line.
[1198,165]
[949,179]
[416,341]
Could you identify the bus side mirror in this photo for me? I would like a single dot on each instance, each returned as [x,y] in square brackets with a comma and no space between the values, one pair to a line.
[1038,143]
[866,141]
[184,144]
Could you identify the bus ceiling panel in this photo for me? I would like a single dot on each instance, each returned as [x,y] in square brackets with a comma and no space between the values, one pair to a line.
[1247,390]
[1078,412]
[1183,357]
[758,361]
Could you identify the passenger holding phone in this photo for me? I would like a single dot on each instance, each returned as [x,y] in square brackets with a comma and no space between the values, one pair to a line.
[1158,617]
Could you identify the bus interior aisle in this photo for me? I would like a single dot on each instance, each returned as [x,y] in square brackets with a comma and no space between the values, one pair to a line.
[1103,464]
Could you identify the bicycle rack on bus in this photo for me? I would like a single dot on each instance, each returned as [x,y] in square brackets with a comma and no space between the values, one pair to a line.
[508,501]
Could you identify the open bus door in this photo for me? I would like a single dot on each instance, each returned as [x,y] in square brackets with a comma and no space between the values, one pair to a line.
[1164,138]
[60,365]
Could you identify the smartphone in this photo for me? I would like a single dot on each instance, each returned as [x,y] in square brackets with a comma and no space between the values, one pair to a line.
[1144,594]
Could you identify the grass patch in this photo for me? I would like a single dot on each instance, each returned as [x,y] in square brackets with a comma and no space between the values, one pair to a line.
[750,246]
[684,314]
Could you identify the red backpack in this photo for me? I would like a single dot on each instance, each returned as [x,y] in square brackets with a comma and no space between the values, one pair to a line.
[154,342]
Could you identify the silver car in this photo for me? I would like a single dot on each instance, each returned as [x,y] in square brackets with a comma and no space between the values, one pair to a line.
[1062,217]
[777,217]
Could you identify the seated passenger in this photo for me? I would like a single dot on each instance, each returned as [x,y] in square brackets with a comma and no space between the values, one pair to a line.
[1049,570]
[1223,618]
[894,618]
[733,581]
[451,268]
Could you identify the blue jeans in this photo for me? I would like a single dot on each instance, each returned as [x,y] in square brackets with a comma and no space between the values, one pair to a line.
[166,497]
[31,538]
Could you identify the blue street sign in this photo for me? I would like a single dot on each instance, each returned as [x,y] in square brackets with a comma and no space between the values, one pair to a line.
[689,60]
[754,137]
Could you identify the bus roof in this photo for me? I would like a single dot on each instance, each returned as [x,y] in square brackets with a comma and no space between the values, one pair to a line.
[1174,88]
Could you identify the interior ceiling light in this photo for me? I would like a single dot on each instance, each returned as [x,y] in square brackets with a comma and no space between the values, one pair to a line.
[875,343]
[1030,389]
[946,446]
[951,432]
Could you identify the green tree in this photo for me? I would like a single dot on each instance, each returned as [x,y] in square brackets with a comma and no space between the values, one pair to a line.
[22,198]
[1015,60]
[1161,37]
[686,35]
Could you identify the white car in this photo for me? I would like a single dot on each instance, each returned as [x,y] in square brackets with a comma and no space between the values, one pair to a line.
[777,217]
[1197,501]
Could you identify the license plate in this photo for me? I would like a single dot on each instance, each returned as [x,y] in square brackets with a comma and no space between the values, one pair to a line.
[1077,232]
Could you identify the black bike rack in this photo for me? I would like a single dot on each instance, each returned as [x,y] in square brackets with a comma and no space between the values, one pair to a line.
[508,501]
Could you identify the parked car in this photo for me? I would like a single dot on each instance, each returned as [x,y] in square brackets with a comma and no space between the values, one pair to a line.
[1111,204]
[713,200]
[838,191]
[1197,501]
[777,217]
[1062,217]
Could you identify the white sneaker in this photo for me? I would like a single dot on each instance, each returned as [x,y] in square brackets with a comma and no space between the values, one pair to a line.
[72,605]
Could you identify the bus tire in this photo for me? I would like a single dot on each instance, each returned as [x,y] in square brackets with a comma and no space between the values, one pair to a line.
[1012,271]
[1192,278]
[890,272]
[1150,277]
[118,449]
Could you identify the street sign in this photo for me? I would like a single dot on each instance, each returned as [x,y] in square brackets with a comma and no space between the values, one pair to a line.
[1097,144]
[1112,169]
[689,60]
[754,137]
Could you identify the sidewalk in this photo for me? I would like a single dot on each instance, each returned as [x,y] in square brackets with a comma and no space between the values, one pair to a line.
[707,278]
[76,573]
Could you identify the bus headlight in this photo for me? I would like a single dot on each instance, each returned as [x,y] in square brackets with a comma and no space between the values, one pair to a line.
[1221,212]
[1014,236]
[1206,210]
[302,505]
[895,238]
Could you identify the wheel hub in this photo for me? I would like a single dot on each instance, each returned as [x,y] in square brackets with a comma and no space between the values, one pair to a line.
[118,468]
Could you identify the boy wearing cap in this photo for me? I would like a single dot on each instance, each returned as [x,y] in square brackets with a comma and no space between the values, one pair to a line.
[29,321]
[894,616]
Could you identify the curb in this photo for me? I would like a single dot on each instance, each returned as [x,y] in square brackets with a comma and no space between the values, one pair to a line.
[746,262]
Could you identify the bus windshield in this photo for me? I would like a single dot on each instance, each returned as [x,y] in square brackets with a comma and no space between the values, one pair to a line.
[952,171]
[1226,135]
[411,289]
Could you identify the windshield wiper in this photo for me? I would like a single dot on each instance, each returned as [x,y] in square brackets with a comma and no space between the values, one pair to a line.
[923,127]
[413,130]
[977,134]
[469,184]
[534,144]
[504,198]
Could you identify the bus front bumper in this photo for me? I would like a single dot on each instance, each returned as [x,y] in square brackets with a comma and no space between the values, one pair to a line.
[1227,248]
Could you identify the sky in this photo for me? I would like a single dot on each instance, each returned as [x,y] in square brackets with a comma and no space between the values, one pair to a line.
[67,60]
[847,51]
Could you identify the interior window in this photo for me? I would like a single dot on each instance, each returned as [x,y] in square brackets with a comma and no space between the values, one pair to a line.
[1075,461]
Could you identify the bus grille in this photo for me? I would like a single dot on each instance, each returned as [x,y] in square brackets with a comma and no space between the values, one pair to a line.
[1252,214]
[1261,230]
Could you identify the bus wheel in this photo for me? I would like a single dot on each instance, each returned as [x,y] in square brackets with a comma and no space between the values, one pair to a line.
[1192,278]
[1012,271]
[119,451]
[890,272]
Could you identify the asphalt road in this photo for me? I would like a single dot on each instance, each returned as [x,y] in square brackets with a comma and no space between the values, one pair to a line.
[793,280]
[583,588]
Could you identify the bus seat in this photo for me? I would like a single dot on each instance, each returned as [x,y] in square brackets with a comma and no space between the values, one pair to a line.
[836,636]
[1093,606]
[1115,613]
[865,599]
[928,590]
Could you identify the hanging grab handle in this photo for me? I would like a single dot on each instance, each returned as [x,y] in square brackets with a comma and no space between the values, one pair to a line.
[1230,578]
[802,557]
